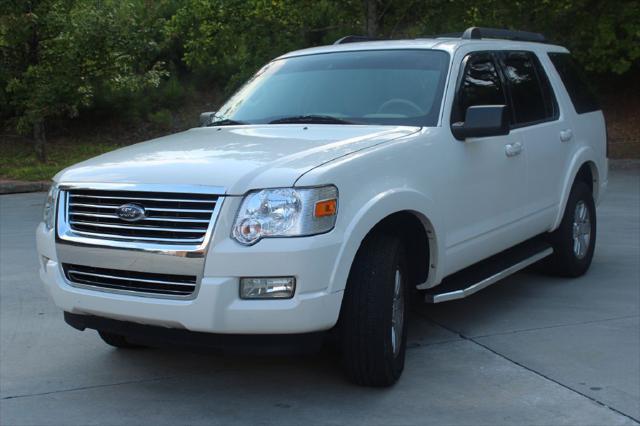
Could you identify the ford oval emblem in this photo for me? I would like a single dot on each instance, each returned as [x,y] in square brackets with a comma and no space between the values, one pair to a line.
[130,212]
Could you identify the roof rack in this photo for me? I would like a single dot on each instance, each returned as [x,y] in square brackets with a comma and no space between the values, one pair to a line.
[477,33]
[471,33]
[354,39]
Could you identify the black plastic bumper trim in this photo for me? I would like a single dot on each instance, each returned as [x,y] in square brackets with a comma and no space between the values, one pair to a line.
[150,335]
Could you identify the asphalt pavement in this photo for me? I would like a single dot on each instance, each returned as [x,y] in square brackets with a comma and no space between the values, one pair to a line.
[532,350]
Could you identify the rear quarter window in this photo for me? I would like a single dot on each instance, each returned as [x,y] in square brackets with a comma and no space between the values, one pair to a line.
[575,82]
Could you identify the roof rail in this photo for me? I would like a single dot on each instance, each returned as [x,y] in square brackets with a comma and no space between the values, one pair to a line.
[475,33]
[354,39]
[471,33]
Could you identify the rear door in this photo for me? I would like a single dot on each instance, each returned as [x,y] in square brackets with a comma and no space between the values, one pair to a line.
[545,134]
[580,106]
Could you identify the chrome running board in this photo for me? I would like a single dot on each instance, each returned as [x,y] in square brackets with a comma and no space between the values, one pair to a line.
[477,277]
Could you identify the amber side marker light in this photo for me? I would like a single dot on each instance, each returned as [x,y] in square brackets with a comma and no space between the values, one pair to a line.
[326,208]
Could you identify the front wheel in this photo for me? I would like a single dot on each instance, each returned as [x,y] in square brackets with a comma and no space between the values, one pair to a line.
[373,320]
[575,239]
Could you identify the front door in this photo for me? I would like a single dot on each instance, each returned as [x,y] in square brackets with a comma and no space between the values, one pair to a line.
[486,185]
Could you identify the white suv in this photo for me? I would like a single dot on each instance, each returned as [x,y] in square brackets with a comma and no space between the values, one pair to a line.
[338,182]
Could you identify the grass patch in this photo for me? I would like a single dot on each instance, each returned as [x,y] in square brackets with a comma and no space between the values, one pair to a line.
[76,140]
[19,162]
[70,141]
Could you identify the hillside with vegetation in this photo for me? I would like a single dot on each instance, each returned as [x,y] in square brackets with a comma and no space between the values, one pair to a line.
[80,77]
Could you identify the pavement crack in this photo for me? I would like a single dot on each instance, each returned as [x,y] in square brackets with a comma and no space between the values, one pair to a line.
[106,385]
[531,370]
[419,345]
[524,330]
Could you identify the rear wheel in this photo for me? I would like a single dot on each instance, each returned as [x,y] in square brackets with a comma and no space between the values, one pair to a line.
[373,320]
[575,239]
[117,340]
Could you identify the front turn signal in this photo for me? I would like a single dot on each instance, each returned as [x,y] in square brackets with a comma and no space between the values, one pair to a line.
[326,208]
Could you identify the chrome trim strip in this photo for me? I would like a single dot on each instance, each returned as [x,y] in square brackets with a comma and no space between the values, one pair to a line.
[146,219]
[155,209]
[169,200]
[115,277]
[144,187]
[116,238]
[141,228]
[462,293]
[176,294]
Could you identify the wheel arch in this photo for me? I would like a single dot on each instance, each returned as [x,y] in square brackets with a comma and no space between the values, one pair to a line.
[584,167]
[404,211]
[588,173]
[415,230]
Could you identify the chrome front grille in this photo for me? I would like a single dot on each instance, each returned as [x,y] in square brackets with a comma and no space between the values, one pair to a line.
[159,253]
[107,279]
[169,218]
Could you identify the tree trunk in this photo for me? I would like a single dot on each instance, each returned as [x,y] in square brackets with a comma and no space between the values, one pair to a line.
[39,141]
[371,17]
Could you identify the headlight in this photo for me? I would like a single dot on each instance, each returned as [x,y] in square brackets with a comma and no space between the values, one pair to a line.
[286,212]
[49,213]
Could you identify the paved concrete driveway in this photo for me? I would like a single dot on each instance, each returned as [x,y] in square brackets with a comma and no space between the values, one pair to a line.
[530,350]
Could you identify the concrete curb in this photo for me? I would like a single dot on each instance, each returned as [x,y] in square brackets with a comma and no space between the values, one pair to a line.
[17,186]
[624,164]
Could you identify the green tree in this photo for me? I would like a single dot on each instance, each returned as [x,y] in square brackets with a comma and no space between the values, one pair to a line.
[61,58]
[228,40]
[62,54]
[604,36]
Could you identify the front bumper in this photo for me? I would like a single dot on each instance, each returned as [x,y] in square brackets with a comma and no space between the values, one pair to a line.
[217,307]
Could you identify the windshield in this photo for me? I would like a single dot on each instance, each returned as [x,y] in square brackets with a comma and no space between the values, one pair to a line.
[387,87]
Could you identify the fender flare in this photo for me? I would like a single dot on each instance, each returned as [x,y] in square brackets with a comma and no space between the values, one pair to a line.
[373,212]
[582,156]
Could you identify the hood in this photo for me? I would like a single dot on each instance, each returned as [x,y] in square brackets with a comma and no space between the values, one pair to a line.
[237,158]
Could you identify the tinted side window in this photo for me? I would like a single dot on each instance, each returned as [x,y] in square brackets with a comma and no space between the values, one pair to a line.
[530,92]
[574,81]
[550,102]
[480,85]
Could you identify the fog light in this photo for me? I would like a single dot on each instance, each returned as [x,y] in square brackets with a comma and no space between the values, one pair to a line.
[267,288]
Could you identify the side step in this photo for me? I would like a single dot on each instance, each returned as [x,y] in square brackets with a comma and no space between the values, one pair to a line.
[489,271]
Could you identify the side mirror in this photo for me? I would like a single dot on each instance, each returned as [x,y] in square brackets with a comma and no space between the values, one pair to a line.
[207,118]
[481,121]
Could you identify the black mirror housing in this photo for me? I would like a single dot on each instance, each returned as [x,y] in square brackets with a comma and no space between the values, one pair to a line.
[482,121]
[207,118]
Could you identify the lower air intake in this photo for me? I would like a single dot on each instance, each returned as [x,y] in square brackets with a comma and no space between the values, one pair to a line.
[130,281]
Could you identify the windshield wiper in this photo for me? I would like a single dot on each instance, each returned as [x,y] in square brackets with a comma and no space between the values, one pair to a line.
[311,119]
[226,122]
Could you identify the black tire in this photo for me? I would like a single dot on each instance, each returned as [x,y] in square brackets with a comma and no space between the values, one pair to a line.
[117,340]
[369,355]
[564,261]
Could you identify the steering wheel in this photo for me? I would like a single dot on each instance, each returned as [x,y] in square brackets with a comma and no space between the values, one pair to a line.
[401,102]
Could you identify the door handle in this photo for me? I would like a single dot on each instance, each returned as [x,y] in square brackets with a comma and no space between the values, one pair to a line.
[513,149]
[566,135]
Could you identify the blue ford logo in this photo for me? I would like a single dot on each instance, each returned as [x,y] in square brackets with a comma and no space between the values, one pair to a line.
[130,212]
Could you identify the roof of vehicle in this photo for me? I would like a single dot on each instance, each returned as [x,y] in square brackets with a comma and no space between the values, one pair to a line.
[478,38]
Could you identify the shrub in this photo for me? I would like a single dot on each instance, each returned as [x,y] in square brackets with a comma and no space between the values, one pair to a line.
[161,119]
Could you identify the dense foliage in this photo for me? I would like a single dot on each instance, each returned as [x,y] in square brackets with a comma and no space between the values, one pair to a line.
[63,58]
